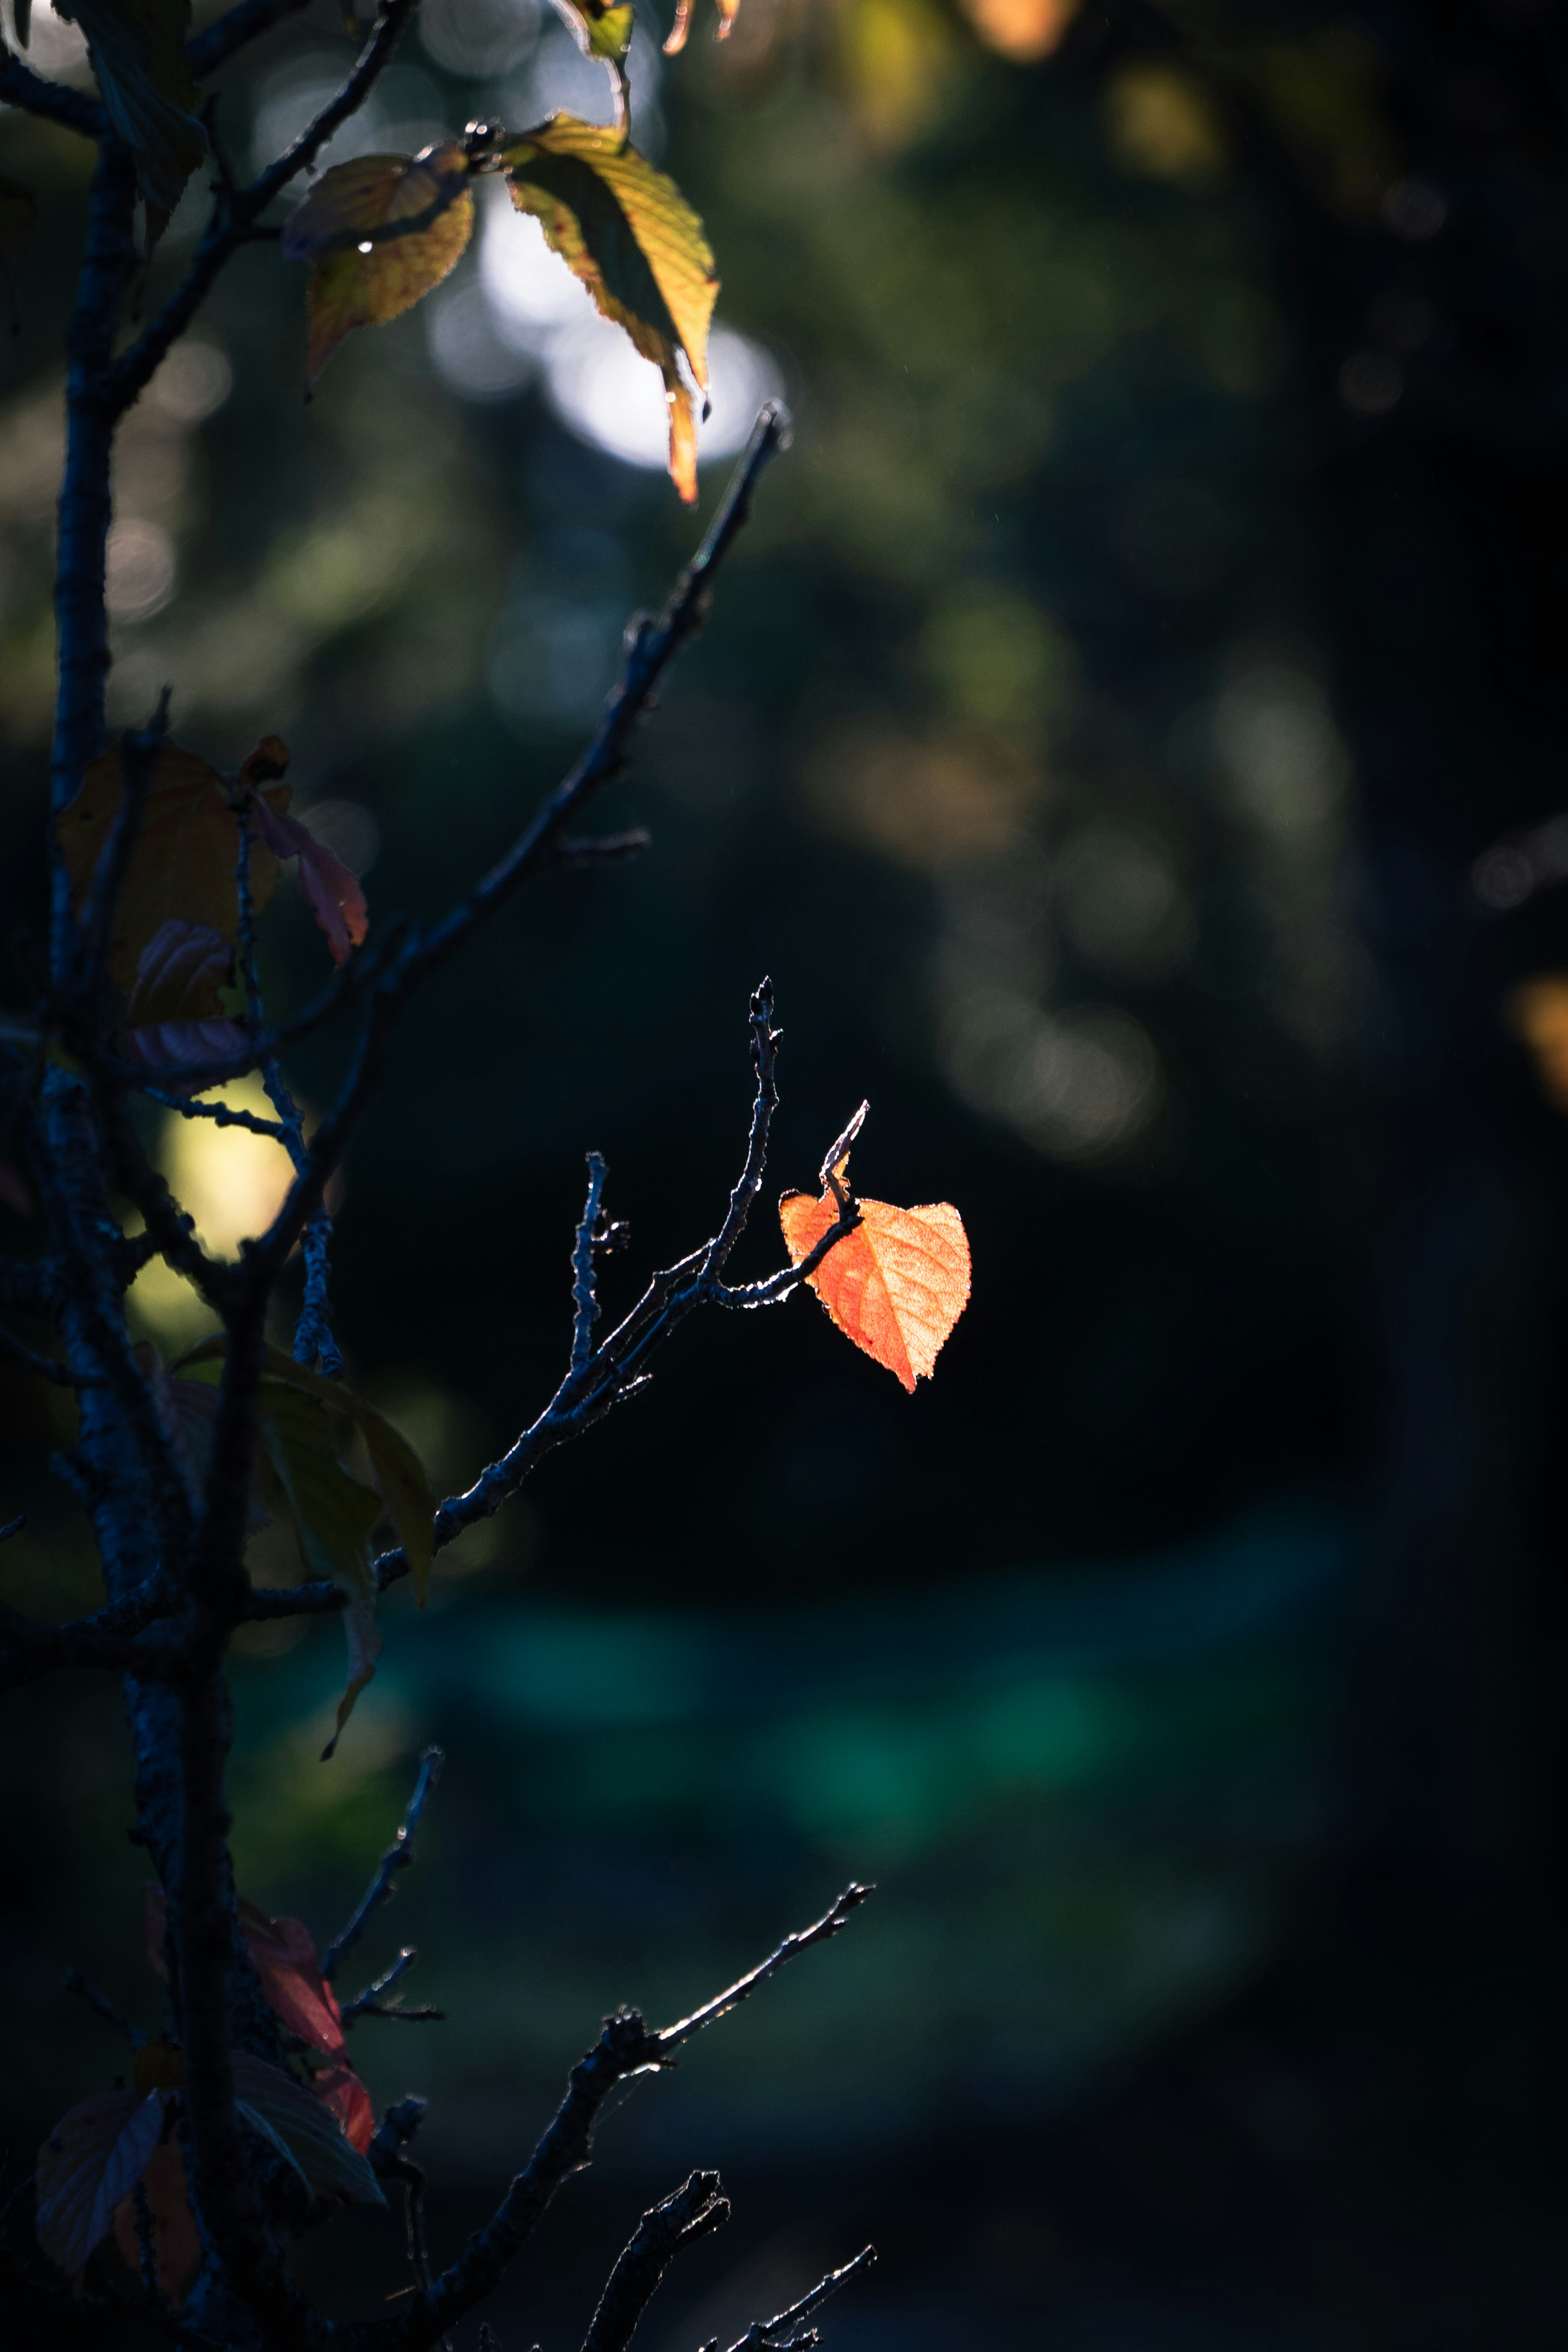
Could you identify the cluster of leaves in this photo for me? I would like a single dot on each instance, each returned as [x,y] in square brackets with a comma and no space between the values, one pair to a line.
[177,917]
[381,231]
[121,2150]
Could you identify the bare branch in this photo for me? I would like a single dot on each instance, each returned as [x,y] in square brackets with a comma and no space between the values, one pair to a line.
[384,1983]
[583,1298]
[220,1114]
[833,1919]
[692,2211]
[775,2335]
[399,1856]
[624,2048]
[54,101]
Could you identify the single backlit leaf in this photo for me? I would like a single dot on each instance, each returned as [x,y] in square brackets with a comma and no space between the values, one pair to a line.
[378,233]
[335,894]
[138,52]
[174,1016]
[93,2158]
[285,1960]
[309,2130]
[176,2242]
[896,1285]
[18,212]
[181,868]
[628,232]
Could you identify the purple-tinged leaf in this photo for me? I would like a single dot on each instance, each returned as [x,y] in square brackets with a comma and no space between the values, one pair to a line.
[93,2158]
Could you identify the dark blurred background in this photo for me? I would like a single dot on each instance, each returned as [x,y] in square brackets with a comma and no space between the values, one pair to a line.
[1131,735]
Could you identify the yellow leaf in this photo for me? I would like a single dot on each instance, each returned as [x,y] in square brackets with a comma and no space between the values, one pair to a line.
[628,232]
[181,868]
[378,233]
[138,53]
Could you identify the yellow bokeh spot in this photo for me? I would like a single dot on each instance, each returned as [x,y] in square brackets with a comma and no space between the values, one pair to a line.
[1164,125]
[897,59]
[232,1182]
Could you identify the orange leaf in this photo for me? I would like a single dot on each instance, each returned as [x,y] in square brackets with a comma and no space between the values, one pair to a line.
[896,1285]
[175,2243]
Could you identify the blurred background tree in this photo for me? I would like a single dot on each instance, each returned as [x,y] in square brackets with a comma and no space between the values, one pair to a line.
[1132,737]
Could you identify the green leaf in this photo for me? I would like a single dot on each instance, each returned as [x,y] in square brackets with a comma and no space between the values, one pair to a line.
[309,2134]
[378,233]
[405,1489]
[333,1511]
[18,212]
[628,232]
[138,53]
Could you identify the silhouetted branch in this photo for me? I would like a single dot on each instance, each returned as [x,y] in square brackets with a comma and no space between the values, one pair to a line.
[367,1999]
[585,1298]
[777,2335]
[53,101]
[399,1855]
[43,1368]
[822,1931]
[624,2048]
[692,2211]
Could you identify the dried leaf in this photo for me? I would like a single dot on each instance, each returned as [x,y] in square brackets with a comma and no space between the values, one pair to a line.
[285,1958]
[176,2242]
[181,868]
[138,53]
[19,213]
[309,2130]
[378,233]
[896,1285]
[628,232]
[335,897]
[340,2090]
[93,2158]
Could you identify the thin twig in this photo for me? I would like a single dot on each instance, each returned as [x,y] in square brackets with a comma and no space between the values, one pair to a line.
[772,2334]
[822,1931]
[100,2003]
[43,1368]
[383,1984]
[399,1855]
[584,1300]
